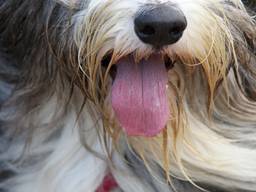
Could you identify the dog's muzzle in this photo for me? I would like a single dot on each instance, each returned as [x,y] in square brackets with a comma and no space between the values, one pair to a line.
[160,25]
[139,91]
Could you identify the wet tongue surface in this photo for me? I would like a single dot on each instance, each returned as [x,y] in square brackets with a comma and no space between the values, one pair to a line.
[139,96]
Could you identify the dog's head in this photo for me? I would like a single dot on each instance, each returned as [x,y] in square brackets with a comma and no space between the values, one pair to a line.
[172,75]
[157,68]
[145,61]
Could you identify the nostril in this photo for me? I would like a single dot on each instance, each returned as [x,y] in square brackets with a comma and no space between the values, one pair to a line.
[176,30]
[147,30]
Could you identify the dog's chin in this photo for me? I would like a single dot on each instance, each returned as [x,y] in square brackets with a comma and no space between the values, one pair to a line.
[139,93]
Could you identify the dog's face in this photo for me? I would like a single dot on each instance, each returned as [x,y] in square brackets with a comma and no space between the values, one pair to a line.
[175,79]
[143,59]
[169,70]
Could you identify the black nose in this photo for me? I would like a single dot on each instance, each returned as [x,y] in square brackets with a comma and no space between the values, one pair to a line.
[160,25]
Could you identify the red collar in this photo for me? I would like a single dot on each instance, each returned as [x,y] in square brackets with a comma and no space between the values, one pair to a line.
[108,184]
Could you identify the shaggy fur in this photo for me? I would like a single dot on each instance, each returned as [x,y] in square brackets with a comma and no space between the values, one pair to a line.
[58,131]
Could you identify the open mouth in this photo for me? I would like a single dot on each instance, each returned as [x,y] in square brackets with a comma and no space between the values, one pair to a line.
[139,94]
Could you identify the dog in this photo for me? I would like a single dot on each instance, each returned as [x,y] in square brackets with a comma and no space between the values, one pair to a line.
[160,94]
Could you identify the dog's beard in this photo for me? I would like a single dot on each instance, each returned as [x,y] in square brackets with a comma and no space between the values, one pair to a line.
[213,53]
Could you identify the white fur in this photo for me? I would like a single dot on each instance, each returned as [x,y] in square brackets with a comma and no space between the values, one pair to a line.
[67,166]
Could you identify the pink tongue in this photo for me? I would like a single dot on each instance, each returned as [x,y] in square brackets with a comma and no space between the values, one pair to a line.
[139,96]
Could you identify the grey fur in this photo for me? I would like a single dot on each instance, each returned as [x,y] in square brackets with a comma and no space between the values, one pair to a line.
[33,64]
